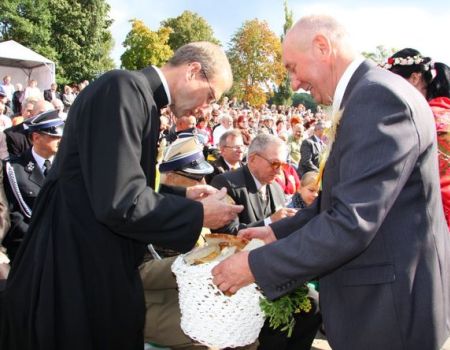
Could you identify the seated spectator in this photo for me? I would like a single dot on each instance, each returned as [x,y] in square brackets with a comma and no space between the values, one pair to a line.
[25,175]
[253,186]
[311,150]
[204,130]
[184,124]
[231,148]
[59,106]
[26,111]
[226,124]
[184,166]
[52,93]
[294,143]
[243,127]
[308,191]
[16,139]
[267,125]
[288,180]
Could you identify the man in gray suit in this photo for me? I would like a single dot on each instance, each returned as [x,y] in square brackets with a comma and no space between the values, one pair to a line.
[311,150]
[253,185]
[376,237]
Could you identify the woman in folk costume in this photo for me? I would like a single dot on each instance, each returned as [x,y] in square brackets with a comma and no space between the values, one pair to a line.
[432,80]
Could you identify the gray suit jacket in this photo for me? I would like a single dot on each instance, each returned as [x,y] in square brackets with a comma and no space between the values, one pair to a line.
[310,151]
[241,187]
[376,236]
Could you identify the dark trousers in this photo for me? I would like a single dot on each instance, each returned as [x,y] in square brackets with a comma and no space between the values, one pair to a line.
[303,334]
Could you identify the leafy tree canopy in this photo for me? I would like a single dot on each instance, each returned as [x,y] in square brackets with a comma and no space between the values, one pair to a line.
[255,57]
[188,27]
[145,47]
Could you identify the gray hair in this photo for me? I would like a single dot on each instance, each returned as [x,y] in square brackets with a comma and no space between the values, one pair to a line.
[212,58]
[262,142]
[223,139]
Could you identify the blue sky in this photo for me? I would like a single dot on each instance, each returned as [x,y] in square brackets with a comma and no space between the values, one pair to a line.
[423,25]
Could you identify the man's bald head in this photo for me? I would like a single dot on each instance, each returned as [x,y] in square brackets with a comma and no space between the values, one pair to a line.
[303,33]
[41,106]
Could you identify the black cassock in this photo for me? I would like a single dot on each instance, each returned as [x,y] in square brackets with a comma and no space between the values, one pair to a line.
[74,283]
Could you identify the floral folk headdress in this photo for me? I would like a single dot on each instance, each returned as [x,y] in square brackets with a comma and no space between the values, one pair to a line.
[427,63]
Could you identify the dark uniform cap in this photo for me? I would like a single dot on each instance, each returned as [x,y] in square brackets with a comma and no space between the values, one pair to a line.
[186,155]
[46,123]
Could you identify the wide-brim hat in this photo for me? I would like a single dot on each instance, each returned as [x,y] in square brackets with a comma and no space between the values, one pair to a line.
[48,123]
[186,155]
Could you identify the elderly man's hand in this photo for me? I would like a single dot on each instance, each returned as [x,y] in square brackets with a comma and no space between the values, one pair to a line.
[200,191]
[283,213]
[264,233]
[217,212]
[233,273]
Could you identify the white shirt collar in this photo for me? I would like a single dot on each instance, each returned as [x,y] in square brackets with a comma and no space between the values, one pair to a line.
[343,82]
[259,185]
[165,84]
[238,165]
[40,160]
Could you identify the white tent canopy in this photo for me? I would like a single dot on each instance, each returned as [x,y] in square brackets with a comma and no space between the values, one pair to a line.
[23,64]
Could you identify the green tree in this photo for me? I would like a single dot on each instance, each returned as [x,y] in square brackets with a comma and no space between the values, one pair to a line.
[283,94]
[73,33]
[145,47]
[28,22]
[188,27]
[380,55]
[304,99]
[255,58]
[82,38]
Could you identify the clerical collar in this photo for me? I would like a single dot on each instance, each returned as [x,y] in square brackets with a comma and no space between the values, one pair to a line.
[343,82]
[40,160]
[165,84]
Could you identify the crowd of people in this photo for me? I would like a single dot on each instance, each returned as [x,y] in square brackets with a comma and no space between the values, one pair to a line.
[97,205]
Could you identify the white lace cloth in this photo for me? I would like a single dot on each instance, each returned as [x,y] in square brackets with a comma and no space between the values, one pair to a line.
[212,318]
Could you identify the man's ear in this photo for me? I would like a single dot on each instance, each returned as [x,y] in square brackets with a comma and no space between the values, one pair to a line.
[321,46]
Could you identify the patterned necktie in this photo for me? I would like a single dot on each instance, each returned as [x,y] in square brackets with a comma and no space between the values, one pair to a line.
[262,192]
[47,166]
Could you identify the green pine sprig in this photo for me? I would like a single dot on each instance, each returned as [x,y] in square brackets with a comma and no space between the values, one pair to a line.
[280,312]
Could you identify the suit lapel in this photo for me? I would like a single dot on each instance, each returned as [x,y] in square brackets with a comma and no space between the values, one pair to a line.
[255,201]
[35,175]
[362,69]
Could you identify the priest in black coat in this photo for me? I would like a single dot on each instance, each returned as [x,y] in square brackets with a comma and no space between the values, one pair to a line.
[75,283]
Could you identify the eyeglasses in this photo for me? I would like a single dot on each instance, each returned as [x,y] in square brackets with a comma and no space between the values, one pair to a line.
[274,164]
[196,177]
[212,97]
[236,148]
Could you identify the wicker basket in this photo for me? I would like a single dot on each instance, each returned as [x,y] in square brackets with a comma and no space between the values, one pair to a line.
[212,318]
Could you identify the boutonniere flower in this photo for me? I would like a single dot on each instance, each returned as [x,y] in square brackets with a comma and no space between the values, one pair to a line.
[30,167]
[331,136]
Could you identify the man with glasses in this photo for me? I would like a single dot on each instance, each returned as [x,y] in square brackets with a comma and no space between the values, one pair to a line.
[98,209]
[253,185]
[183,165]
[231,148]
